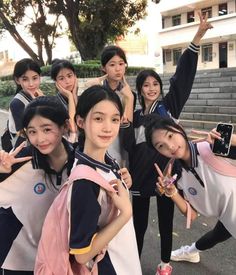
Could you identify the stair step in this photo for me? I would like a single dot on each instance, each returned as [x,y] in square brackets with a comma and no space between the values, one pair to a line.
[210,109]
[212,102]
[209,117]
[199,124]
[212,96]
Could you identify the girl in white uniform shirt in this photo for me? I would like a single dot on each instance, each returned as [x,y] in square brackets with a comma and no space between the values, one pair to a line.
[27,189]
[211,193]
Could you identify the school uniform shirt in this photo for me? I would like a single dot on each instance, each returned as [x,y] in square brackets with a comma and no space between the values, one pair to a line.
[63,100]
[210,193]
[25,197]
[16,111]
[89,208]
[141,156]
[116,149]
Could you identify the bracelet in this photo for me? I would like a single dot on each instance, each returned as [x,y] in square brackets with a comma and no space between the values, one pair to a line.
[172,194]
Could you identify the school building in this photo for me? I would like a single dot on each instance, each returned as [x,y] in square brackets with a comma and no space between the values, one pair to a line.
[179,24]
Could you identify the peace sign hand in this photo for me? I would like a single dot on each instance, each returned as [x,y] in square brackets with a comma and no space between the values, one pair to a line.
[8,159]
[165,180]
[202,29]
[207,136]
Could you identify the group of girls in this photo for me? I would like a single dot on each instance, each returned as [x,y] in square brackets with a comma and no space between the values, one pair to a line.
[26,75]
[104,118]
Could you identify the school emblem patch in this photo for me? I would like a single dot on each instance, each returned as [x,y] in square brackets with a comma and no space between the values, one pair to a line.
[39,188]
[192,191]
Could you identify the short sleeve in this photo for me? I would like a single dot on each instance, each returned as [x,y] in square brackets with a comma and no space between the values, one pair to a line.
[85,211]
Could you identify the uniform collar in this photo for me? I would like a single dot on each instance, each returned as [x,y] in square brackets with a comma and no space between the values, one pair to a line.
[152,108]
[107,86]
[193,156]
[110,163]
[26,95]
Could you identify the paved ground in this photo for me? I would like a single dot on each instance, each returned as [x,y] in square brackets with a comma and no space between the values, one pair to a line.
[220,260]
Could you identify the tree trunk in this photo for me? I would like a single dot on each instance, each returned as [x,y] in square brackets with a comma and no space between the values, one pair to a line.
[17,37]
[88,46]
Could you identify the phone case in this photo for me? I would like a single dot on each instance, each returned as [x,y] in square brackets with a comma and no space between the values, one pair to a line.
[222,147]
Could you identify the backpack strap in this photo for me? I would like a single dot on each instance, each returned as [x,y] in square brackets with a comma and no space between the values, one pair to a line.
[219,164]
[83,171]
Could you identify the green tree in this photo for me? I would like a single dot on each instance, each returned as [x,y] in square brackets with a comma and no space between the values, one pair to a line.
[93,23]
[34,15]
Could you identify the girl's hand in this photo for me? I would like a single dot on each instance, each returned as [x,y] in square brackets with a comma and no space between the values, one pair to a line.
[96,81]
[126,177]
[204,25]
[126,90]
[165,180]
[207,136]
[38,93]
[63,91]
[121,198]
[75,90]
[202,29]
[8,159]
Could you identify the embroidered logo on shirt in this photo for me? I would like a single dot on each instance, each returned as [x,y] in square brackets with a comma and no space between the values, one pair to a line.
[39,188]
[192,191]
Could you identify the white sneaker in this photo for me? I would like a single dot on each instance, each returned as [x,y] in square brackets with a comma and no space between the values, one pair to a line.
[183,254]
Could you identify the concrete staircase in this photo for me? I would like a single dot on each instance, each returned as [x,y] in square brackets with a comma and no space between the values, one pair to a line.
[212,100]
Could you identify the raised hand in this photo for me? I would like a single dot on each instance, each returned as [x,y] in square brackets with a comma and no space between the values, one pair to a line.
[8,159]
[165,180]
[206,136]
[202,29]
[96,81]
[126,90]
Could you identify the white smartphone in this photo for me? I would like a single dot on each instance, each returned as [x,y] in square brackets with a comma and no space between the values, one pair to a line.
[221,146]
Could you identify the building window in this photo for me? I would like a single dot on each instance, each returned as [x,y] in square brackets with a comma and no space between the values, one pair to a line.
[163,22]
[207,10]
[166,55]
[176,20]
[207,53]
[176,55]
[223,9]
[190,16]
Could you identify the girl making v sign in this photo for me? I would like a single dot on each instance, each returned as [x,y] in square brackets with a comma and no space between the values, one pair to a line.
[208,183]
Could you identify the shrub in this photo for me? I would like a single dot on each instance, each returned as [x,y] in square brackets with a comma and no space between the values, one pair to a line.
[7,88]
[89,69]
[48,88]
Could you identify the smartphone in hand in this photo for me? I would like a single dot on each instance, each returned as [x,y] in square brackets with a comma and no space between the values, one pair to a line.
[221,146]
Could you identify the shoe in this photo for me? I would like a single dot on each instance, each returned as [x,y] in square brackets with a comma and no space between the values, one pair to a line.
[166,271]
[183,254]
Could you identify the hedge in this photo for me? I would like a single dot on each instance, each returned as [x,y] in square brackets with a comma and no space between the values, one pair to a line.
[89,68]
[8,88]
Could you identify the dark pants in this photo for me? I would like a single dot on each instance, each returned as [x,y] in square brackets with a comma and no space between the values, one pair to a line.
[165,212]
[12,272]
[218,235]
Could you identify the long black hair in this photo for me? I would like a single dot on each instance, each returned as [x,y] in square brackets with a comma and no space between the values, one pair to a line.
[140,79]
[51,108]
[89,98]
[155,122]
[59,64]
[21,67]
[111,51]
